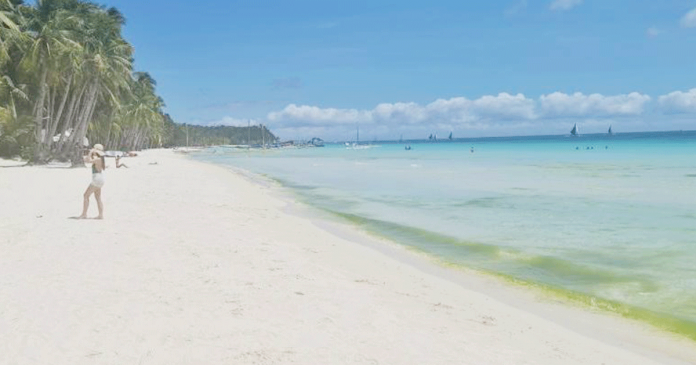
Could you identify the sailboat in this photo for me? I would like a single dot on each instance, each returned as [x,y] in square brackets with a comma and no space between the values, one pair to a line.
[356,145]
[357,138]
[187,149]
[574,131]
[610,132]
[450,136]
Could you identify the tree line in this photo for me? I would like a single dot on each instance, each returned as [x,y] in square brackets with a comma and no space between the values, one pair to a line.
[67,75]
[196,135]
[67,81]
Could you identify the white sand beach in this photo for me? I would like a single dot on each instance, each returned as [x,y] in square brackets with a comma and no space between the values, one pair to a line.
[201,264]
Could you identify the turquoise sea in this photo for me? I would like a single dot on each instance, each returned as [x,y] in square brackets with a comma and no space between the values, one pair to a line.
[607,220]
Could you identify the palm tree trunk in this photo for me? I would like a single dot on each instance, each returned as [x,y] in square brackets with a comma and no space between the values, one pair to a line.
[59,114]
[38,116]
[47,116]
[69,120]
[79,134]
[107,142]
[137,144]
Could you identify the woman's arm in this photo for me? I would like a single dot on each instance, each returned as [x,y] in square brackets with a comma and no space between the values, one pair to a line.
[89,159]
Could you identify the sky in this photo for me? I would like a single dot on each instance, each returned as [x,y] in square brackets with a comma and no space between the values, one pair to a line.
[321,68]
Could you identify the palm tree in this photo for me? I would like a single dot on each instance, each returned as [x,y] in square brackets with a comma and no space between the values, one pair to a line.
[104,72]
[52,24]
[15,133]
[67,70]
[10,30]
[142,118]
[13,130]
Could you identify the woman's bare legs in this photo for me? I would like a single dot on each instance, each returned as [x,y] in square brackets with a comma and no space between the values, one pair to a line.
[85,202]
[100,206]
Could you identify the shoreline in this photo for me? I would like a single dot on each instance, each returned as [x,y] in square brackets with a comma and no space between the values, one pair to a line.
[345,226]
[539,299]
[196,261]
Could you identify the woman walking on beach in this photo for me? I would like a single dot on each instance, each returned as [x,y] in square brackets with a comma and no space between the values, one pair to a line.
[96,158]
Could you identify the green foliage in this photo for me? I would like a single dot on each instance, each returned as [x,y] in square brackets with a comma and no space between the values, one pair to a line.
[67,74]
[216,135]
[15,134]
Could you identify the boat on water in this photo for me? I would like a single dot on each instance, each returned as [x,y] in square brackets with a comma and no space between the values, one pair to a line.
[610,132]
[114,154]
[317,142]
[450,136]
[356,145]
[574,131]
[188,149]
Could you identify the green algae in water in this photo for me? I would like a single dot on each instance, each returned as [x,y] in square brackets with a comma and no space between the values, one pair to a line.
[436,246]
[612,224]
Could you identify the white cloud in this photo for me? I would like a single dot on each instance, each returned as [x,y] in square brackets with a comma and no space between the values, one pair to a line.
[312,115]
[558,104]
[408,113]
[502,114]
[454,111]
[564,4]
[505,106]
[653,32]
[489,111]
[689,19]
[501,107]
[678,102]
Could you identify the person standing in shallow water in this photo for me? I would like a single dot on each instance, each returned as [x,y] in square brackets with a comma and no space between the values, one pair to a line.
[96,158]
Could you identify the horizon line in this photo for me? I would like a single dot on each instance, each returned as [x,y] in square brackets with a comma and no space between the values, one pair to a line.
[517,136]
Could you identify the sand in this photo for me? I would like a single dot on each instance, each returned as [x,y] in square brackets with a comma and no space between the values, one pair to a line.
[201,264]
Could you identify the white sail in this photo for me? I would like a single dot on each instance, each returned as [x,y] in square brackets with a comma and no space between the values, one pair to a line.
[574,131]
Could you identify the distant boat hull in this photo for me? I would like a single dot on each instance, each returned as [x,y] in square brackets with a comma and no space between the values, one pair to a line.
[188,149]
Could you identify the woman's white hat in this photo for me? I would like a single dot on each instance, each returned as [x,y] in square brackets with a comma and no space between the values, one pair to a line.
[98,149]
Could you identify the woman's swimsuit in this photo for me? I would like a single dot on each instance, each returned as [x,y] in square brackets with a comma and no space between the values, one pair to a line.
[97,177]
